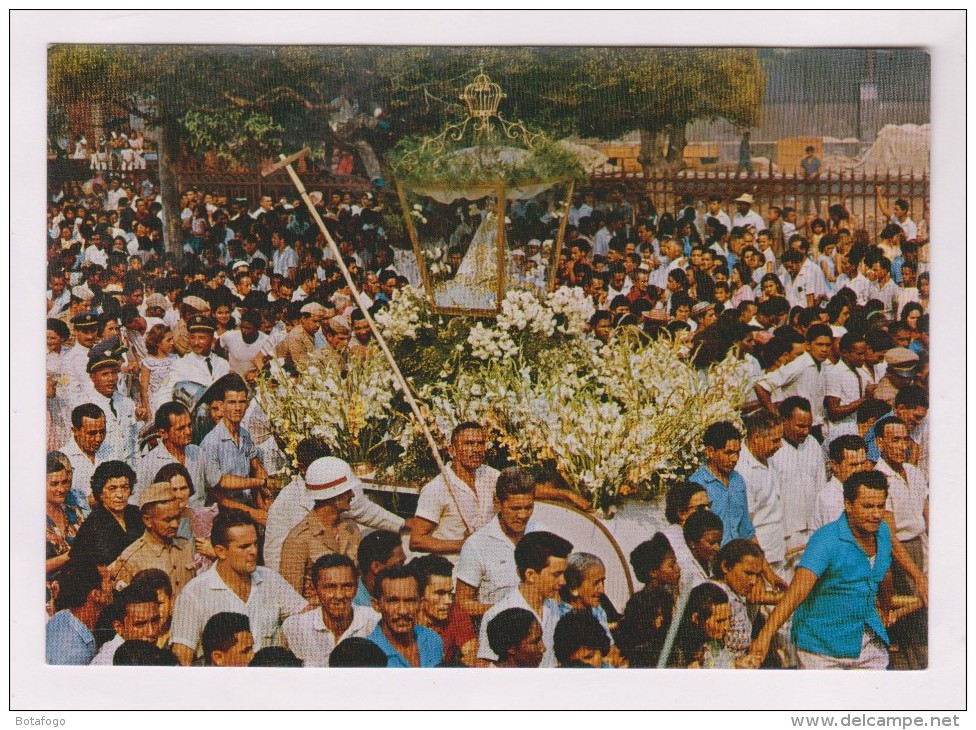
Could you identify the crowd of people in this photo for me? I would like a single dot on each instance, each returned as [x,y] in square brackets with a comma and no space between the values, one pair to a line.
[176,538]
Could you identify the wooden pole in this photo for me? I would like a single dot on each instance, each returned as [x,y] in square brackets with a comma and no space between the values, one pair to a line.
[285,162]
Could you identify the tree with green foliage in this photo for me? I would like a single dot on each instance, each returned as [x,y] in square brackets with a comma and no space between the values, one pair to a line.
[248,103]
[592,92]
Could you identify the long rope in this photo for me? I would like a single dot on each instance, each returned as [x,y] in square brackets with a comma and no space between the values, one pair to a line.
[377,334]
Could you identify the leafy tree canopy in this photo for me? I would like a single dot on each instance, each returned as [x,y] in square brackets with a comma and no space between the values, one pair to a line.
[599,92]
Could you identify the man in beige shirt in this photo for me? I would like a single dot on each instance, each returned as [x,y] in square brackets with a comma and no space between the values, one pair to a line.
[329,484]
[299,343]
[159,547]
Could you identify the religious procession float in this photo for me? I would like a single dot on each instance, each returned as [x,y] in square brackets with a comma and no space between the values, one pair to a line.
[491,338]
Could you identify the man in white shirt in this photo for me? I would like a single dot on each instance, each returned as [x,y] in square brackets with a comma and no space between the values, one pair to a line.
[857,281]
[75,360]
[846,388]
[137,609]
[764,437]
[619,285]
[540,559]
[114,195]
[312,635]
[245,346]
[486,569]
[715,211]
[908,496]
[96,253]
[802,470]
[578,210]
[805,376]
[102,390]
[601,240]
[59,296]
[234,584]
[265,206]
[308,284]
[87,435]
[847,455]
[898,215]
[199,365]
[450,512]
[803,285]
[745,216]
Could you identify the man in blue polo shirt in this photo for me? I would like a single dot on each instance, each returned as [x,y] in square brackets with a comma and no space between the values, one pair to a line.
[836,624]
[405,643]
[727,489]
[85,591]
[724,484]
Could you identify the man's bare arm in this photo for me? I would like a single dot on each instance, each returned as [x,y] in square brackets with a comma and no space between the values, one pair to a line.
[764,398]
[904,560]
[882,204]
[422,541]
[803,582]
[547,491]
[183,654]
[467,597]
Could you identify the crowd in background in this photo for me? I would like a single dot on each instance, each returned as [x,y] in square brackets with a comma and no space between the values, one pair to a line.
[172,539]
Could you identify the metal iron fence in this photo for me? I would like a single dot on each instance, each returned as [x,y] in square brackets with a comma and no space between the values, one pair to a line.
[248,185]
[854,190]
[252,186]
[60,171]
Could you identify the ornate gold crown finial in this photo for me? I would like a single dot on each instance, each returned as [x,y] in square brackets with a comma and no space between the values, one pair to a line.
[482,97]
[483,125]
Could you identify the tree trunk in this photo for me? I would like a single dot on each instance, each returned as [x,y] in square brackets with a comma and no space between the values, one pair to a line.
[652,149]
[676,148]
[168,185]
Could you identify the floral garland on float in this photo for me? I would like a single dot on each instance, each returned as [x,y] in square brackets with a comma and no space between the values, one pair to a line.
[618,421]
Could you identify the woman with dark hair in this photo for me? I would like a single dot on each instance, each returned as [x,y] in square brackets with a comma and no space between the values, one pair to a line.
[688,234]
[655,564]
[666,226]
[113,524]
[63,519]
[838,313]
[700,641]
[740,284]
[910,314]
[923,291]
[641,632]
[738,571]
[839,219]
[677,282]
[770,286]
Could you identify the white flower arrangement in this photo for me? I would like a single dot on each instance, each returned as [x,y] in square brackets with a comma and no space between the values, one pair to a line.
[575,308]
[408,313]
[522,311]
[418,213]
[349,408]
[491,344]
[618,421]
